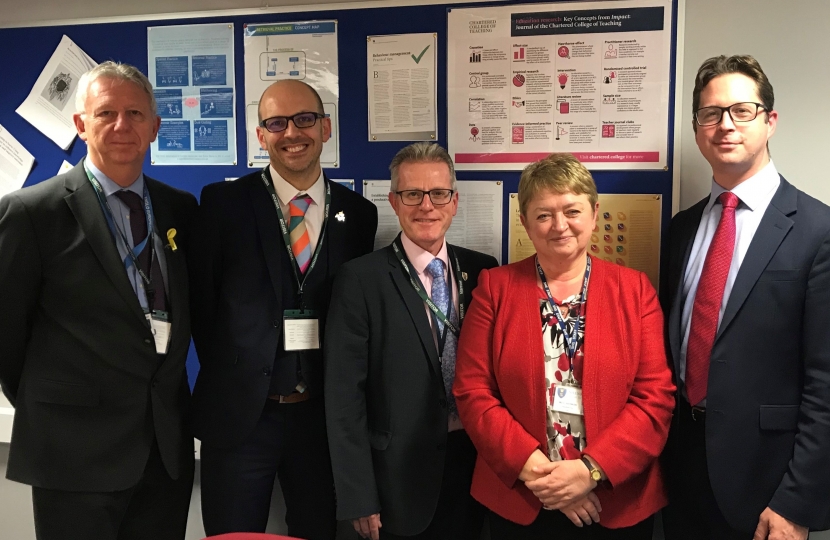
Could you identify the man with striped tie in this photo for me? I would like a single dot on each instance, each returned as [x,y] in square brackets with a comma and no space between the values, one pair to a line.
[268,247]
[403,464]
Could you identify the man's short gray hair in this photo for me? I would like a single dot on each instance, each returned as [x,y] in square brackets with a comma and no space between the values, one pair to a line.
[113,70]
[421,152]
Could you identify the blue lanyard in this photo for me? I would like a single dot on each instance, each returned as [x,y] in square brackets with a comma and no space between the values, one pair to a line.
[572,340]
[132,254]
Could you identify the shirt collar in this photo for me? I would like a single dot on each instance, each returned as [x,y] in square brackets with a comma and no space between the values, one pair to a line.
[109,186]
[754,191]
[286,192]
[420,257]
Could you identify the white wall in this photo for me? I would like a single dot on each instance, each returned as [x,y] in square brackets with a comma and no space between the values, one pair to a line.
[788,38]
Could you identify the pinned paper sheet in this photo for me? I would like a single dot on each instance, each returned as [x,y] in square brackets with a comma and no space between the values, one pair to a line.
[15,163]
[51,103]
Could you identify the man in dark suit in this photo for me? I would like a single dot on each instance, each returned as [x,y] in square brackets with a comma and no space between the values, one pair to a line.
[96,329]
[747,293]
[399,452]
[268,248]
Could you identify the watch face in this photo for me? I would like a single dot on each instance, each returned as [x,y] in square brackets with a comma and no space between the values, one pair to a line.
[596,476]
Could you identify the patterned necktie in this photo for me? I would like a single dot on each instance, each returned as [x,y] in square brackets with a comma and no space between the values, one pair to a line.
[708,299]
[300,242]
[138,227]
[440,295]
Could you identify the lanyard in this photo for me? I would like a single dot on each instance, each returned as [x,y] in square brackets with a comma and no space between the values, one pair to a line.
[132,254]
[571,341]
[287,237]
[419,288]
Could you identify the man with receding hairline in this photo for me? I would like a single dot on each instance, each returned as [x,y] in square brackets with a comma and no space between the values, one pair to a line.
[96,329]
[268,247]
[746,294]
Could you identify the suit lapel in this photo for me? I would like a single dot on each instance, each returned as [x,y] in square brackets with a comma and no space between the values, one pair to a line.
[84,205]
[774,226]
[337,230]
[595,332]
[687,233]
[416,309]
[176,269]
[270,235]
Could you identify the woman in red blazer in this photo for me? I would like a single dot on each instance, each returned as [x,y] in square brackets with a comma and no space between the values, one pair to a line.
[568,406]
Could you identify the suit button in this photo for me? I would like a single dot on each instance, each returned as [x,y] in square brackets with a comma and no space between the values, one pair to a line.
[443,403]
[148,341]
[441,447]
[266,372]
[155,383]
[275,323]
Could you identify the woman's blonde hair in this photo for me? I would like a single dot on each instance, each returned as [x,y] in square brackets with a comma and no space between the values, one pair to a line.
[559,173]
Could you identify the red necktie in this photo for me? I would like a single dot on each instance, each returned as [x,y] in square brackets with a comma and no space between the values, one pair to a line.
[708,299]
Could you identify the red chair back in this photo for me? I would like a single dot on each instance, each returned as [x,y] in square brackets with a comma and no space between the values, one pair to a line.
[250,536]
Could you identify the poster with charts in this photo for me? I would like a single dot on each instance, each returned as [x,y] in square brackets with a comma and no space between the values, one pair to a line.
[192,70]
[627,232]
[302,51]
[589,78]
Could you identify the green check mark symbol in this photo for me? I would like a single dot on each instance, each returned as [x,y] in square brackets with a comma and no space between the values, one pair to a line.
[418,58]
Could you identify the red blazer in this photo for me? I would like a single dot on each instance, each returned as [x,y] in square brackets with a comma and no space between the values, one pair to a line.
[628,394]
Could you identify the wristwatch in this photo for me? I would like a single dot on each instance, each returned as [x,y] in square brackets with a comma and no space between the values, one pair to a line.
[596,476]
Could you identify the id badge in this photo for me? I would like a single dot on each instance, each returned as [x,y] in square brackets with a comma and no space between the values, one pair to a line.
[160,327]
[567,399]
[301,330]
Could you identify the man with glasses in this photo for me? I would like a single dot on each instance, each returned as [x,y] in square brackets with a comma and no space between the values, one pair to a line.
[269,246]
[402,462]
[747,296]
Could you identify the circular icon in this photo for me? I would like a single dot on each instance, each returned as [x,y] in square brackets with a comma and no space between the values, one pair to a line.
[474,131]
[564,52]
[519,80]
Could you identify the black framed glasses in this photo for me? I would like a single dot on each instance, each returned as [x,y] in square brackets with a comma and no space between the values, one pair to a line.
[275,124]
[745,111]
[414,197]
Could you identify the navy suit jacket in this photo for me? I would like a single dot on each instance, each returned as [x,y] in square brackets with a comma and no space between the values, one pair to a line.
[238,272]
[768,400]
[77,357]
[386,407]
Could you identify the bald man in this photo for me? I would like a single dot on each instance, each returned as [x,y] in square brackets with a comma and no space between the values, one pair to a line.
[267,249]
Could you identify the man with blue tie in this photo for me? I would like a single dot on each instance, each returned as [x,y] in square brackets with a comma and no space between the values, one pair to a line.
[96,329]
[402,461]
[747,294]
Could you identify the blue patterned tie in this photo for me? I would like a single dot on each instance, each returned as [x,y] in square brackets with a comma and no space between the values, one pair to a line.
[440,295]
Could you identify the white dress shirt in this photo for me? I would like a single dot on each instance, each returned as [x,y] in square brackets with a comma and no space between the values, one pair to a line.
[316,210]
[755,194]
[420,258]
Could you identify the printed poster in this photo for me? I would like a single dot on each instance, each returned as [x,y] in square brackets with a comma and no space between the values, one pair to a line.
[303,51]
[589,78]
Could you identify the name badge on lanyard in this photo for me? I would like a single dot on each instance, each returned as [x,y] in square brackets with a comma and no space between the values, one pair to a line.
[301,327]
[160,327]
[567,398]
[567,395]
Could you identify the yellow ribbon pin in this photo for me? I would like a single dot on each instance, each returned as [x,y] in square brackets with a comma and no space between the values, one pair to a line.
[171,234]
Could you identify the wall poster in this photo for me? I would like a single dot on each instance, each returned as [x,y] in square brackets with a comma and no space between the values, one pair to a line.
[589,78]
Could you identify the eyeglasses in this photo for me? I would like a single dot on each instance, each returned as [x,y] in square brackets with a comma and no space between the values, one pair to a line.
[414,197]
[276,124]
[738,112]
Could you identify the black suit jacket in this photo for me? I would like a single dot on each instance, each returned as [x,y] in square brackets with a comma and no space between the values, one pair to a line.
[238,276]
[77,358]
[386,408]
[768,400]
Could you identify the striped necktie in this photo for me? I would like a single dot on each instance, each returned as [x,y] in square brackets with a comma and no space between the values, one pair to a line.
[300,241]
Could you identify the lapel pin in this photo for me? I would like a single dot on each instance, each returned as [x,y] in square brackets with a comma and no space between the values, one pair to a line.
[340,216]
[464,276]
[171,234]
